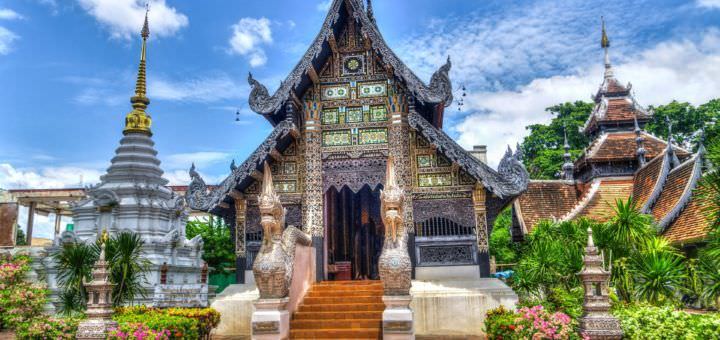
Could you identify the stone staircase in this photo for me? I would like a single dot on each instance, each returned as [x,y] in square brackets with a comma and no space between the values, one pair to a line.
[340,310]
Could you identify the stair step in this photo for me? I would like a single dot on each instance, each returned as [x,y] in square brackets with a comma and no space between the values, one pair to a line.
[350,282]
[336,324]
[358,333]
[340,300]
[346,307]
[337,315]
[349,293]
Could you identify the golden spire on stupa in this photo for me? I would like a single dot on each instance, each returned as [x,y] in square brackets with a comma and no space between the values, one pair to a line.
[138,120]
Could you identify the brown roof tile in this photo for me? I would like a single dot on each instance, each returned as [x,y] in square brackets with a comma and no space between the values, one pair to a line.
[693,222]
[600,206]
[646,179]
[617,146]
[675,185]
[546,200]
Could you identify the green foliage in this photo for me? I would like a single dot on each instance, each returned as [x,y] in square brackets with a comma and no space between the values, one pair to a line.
[500,324]
[127,267]
[501,243]
[543,148]
[659,276]
[48,328]
[206,318]
[74,265]
[20,238]
[127,270]
[20,301]
[217,242]
[626,230]
[551,257]
[179,327]
[648,322]
[687,120]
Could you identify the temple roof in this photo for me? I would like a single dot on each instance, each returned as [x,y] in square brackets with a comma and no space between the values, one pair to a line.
[599,200]
[201,197]
[677,191]
[620,146]
[438,92]
[546,200]
[649,181]
[509,180]
[693,223]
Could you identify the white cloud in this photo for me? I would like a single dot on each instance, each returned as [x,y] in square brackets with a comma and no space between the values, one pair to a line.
[200,89]
[248,36]
[8,14]
[7,38]
[46,178]
[709,3]
[683,70]
[324,5]
[124,18]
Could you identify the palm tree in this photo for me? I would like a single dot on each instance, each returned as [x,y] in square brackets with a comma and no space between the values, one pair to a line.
[74,266]
[127,267]
[658,276]
[627,229]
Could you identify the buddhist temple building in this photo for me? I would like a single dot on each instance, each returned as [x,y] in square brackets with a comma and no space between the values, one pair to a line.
[622,161]
[348,105]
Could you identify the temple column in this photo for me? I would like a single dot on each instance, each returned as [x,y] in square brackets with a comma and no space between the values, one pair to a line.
[481,230]
[313,222]
[399,145]
[240,249]
[30,222]
[58,221]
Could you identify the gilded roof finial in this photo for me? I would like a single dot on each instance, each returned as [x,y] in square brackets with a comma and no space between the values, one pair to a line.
[605,44]
[138,120]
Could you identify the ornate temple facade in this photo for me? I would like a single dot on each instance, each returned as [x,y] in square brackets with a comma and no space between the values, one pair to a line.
[623,160]
[348,106]
[134,197]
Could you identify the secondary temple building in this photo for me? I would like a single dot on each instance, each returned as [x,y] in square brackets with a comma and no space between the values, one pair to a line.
[349,105]
[134,197]
[623,160]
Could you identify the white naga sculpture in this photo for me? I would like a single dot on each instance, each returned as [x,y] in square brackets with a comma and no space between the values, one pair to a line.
[394,262]
[273,266]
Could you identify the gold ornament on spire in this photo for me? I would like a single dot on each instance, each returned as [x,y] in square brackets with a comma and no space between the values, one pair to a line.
[604,41]
[138,120]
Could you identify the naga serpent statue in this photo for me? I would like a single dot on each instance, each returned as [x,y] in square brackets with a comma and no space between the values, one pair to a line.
[394,262]
[273,267]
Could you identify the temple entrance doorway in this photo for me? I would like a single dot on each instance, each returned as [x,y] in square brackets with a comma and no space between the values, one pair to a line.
[354,233]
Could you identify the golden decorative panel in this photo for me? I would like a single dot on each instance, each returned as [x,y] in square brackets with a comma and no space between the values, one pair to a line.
[335,92]
[435,180]
[336,138]
[373,136]
[372,90]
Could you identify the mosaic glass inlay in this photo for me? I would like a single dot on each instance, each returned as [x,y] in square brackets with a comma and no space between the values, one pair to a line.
[335,92]
[378,113]
[372,90]
[435,180]
[373,136]
[330,116]
[337,138]
[354,115]
[285,186]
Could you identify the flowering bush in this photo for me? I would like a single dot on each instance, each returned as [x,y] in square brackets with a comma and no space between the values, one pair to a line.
[529,323]
[50,328]
[178,327]
[20,301]
[137,331]
[207,318]
[648,322]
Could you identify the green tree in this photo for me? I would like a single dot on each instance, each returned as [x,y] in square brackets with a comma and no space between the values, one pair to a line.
[20,238]
[687,120]
[543,148]
[501,243]
[217,242]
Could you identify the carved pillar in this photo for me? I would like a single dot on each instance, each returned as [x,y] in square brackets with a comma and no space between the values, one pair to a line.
[399,145]
[313,190]
[240,248]
[481,230]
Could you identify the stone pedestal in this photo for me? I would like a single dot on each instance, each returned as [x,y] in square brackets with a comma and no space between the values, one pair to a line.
[398,318]
[95,329]
[271,319]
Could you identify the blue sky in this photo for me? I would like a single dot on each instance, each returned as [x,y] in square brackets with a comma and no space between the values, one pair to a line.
[67,70]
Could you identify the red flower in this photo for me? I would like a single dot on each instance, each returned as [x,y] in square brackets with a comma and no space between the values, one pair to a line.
[512,327]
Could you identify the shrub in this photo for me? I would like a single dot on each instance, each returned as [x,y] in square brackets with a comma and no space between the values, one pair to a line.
[179,327]
[137,331]
[648,322]
[46,329]
[20,301]
[207,318]
[500,324]
[529,323]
